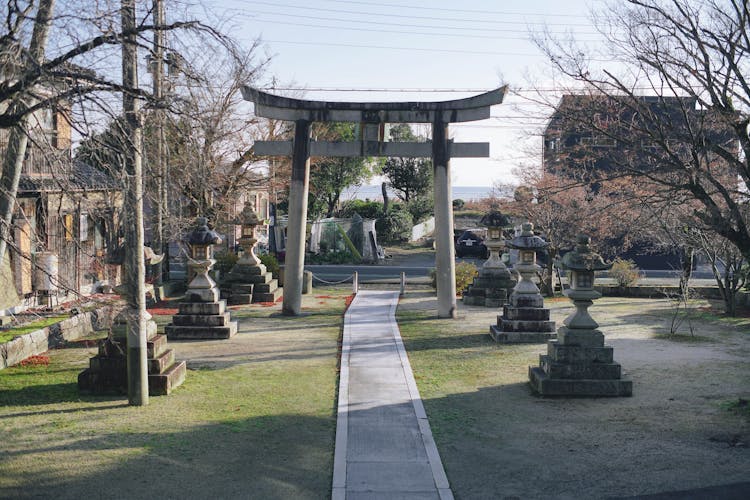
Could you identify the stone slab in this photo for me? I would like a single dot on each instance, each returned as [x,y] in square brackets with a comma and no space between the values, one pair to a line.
[575,354]
[202,295]
[236,299]
[267,297]
[163,384]
[373,442]
[526,300]
[543,385]
[507,337]
[389,477]
[594,371]
[519,325]
[155,346]
[582,338]
[202,307]
[267,287]
[201,319]
[162,362]
[175,332]
[525,313]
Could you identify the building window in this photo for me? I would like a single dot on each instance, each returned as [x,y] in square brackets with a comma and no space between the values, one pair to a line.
[68,223]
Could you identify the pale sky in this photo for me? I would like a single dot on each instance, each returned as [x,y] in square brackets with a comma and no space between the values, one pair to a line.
[473,45]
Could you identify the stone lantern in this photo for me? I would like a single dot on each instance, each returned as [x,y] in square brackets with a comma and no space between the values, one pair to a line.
[248,220]
[202,288]
[578,363]
[495,222]
[525,319]
[490,288]
[249,280]
[202,315]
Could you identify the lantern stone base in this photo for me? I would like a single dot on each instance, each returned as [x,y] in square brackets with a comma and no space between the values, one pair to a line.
[578,364]
[108,373]
[253,280]
[523,325]
[201,321]
[490,288]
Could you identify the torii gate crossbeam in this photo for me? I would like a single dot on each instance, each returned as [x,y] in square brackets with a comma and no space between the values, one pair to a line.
[372,115]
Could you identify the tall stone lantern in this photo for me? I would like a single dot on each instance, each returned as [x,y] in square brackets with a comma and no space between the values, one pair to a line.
[202,315]
[491,287]
[525,319]
[249,280]
[578,363]
[248,221]
[202,288]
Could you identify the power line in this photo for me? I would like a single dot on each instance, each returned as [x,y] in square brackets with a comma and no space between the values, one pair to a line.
[498,12]
[406,25]
[400,32]
[418,49]
[401,16]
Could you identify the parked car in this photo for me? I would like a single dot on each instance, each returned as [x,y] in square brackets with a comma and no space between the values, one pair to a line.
[470,243]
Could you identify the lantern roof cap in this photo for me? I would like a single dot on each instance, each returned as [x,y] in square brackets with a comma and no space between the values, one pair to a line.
[582,258]
[202,235]
[495,218]
[247,217]
[527,240]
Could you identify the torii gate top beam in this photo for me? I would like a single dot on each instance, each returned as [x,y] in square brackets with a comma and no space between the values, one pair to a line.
[459,110]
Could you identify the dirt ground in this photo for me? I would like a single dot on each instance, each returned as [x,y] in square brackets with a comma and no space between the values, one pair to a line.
[498,440]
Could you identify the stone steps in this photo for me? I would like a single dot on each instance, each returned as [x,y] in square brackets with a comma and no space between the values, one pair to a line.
[161,384]
[175,332]
[267,297]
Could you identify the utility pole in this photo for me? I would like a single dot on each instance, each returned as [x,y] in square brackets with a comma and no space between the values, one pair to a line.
[157,73]
[18,139]
[135,266]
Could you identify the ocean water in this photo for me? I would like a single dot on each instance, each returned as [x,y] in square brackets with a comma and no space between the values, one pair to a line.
[374,193]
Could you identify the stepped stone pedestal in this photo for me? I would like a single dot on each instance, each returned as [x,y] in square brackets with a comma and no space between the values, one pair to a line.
[108,373]
[202,315]
[492,286]
[525,319]
[578,363]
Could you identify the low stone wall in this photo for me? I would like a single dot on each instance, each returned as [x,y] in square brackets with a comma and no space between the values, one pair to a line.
[68,330]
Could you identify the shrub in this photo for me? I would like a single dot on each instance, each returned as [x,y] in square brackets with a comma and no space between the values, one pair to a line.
[225,261]
[333,257]
[458,204]
[624,272]
[420,208]
[365,209]
[394,227]
[271,263]
[465,274]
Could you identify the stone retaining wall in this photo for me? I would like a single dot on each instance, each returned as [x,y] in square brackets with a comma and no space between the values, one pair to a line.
[68,330]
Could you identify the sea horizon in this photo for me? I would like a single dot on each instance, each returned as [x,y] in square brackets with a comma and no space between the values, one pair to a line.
[374,192]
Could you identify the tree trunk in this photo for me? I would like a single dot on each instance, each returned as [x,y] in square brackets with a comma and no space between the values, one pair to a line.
[18,139]
[384,190]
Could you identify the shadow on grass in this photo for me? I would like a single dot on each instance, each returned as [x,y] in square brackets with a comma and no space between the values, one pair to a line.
[43,394]
[269,457]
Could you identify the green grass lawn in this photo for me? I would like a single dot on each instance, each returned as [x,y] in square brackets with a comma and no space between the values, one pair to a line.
[6,335]
[254,419]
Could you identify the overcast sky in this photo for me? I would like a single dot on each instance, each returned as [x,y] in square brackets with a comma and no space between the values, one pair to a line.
[471,46]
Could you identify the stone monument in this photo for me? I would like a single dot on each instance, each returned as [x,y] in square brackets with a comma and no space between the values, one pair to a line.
[108,370]
[202,315]
[249,280]
[525,319]
[578,363]
[490,288]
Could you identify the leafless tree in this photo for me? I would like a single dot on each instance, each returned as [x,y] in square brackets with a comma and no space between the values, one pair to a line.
[670,90]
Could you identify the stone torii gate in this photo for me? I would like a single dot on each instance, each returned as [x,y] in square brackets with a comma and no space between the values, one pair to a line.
[372,116]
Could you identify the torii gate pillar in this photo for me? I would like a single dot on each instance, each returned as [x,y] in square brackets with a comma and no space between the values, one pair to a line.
[445,252]
[294,261]
[372,115]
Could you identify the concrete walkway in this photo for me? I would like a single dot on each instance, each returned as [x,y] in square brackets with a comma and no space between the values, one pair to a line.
[384,446]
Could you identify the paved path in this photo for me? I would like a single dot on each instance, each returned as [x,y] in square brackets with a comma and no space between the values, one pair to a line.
[384,447]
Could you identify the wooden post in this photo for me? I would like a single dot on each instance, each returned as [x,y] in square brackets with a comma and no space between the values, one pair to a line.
[294,262]
[135,264]
[445,253]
